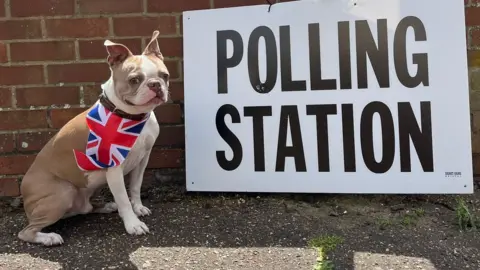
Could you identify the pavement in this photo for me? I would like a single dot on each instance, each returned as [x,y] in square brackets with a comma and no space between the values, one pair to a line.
[255,231]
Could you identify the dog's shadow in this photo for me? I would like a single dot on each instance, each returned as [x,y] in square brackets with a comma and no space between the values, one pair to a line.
[183,227]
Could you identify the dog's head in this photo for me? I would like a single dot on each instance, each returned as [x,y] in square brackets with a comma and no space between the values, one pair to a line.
[140,82]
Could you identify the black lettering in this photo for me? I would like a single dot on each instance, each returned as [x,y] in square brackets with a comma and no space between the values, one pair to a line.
[289,114]
[388,137]
[400,53]
[344,55]
[272,61]
[317,83]
[286,63]
[321,112]
[223,62]
[422,139]
[229,137]
[378,55]
[257,114]
[348,131]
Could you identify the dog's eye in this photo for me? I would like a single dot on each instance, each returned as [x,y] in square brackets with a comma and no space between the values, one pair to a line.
[134,80]
[165,76]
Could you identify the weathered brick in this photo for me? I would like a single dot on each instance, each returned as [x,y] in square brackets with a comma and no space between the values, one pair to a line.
[77,28]
[23,29]
[475,41]
[7,143]
[474,101]
[173,68]
[176,5]
[9,187]
[236,3]
[15,164]
[176,91]
[3,53]
[91,93]
[472,16]
[28,8]
[5,98]
[171,46]
[89,72]
[33,141]
[44,96]
[109,6]
[475,79]
[21,75]
[42,51]
[94,49]
[166,158]
[169,114]
[22,119]
[171,135]
[59,117]
[144,26]
[476,164]
[2,9]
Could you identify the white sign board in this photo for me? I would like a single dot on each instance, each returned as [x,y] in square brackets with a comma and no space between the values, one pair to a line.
[328,97]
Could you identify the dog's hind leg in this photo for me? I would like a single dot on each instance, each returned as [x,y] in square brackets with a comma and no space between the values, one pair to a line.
[47,211]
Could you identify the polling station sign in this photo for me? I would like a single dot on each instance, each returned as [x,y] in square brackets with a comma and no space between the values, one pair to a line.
[367,96]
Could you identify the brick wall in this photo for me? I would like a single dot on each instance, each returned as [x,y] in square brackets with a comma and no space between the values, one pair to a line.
[52,60]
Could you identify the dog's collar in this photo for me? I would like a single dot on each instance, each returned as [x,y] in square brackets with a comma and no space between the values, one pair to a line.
[111,107]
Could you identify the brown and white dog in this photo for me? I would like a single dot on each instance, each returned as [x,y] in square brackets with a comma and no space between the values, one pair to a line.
[55,187]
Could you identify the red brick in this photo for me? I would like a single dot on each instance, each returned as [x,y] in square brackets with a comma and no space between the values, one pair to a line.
[45,96]
[176,91]
[236,3]
[170,47]
[94,49]
[90,72]
[171,135]
[5,98]
[176,5]
[2,9]
[9,187]
[169,114]
[109,6]
[7,143]
[144,26]
[91,93]
[172,66]
[15,164]
[42,51]
[33,141]
[77,28]
[23,29]
[475,37]
[166,158]
[59,117]
[28,8]
[3,53]
[21,75]
[22,119]
[472,16]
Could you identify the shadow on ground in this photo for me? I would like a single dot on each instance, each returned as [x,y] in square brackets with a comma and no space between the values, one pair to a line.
[255,232]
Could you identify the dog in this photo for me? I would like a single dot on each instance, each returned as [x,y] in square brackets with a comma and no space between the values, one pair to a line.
[107,143]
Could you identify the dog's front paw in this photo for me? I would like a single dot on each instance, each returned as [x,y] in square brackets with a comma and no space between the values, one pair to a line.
[48,239]
[141,210]
[135,226]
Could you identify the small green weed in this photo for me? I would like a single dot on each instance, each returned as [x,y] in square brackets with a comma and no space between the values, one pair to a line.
[466,219]
[383,223]
[323,245]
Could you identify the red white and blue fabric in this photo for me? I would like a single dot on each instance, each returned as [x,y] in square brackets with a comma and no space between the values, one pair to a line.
[110,139]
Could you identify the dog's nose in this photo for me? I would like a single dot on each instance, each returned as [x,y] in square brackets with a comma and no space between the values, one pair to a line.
[154,85]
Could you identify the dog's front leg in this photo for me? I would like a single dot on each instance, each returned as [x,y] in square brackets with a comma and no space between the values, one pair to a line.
[116,184]
[136,179]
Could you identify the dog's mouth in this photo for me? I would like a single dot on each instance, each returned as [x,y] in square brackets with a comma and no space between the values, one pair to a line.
[158,99]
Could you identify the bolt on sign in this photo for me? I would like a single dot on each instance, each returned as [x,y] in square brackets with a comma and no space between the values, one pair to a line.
[328,97]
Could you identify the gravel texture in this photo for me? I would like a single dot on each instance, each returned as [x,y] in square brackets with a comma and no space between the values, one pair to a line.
[254,232]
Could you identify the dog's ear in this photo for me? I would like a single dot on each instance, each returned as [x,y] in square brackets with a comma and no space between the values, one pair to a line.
[117,53]
[152,47]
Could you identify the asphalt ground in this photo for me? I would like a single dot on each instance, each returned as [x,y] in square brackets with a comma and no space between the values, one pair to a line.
[227,231]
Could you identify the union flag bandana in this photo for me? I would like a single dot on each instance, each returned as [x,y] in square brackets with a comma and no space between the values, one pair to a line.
[110,139]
